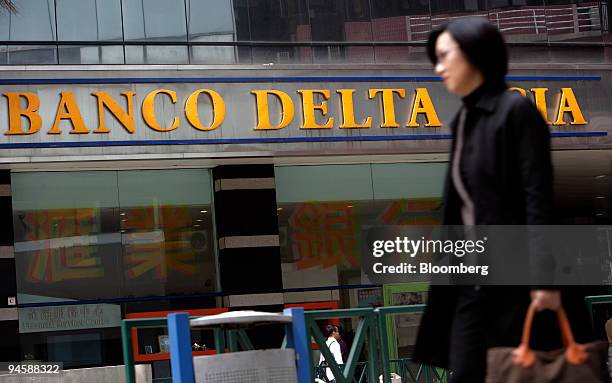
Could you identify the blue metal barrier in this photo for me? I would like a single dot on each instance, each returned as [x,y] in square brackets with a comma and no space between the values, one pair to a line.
[181,359]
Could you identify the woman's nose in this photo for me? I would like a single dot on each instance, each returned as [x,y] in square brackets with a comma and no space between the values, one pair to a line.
[439,69]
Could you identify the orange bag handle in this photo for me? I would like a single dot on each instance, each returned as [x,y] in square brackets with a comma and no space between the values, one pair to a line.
[525,357]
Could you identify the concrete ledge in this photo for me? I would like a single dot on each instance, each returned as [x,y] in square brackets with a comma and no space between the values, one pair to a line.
[108,374]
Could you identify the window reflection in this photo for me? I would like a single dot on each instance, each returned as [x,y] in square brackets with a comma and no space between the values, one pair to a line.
[96,235]
[322,231]
[91,54]
[66,237]
[279,55]
[4,24]
[31,54]
[213,55]
[154,20]
[444,10]
[520,21]
[274,20]
[139,54]
[34,21]
[241,16]
[166,226]
[210,20]
[568,19]
[89,20]
[399,20]
[3,54]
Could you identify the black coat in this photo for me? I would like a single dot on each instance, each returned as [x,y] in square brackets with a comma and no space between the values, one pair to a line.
[506,168]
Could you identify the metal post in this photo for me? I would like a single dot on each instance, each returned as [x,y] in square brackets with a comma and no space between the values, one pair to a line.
[232,341]
[603,11]
[128,357]
[372,350]
[219,341]
[181,359]
[244,340]
[297,339]
[384,345]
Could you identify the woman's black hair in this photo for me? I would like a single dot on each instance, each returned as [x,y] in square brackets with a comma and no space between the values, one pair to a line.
[329,329]
[481,43]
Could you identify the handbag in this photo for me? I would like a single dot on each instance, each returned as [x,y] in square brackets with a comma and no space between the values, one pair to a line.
[584,363]
[321,371]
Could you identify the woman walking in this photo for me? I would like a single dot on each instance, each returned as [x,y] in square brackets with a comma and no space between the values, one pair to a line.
[500,173]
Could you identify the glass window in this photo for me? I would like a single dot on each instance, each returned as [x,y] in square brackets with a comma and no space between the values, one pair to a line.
[327,19]
[67,236]
[241,16]
[519,20]
[321,224]
[277,20]
[33,21]
[89,347]
[76,349]
[213,55]
[211,20]
[277,55]
[4,24]
[329,54]
[3,54]
[408,193]
[392,8]
[573,20]
[399,20]
[166,226]
[31,54]
[154,20]
[86,20]
[443,10]
[158,54]
[105,234]
[91,54]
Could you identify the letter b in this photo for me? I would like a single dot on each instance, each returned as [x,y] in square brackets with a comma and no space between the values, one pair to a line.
[30,112]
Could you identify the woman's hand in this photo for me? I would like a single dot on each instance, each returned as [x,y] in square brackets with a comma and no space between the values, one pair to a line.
[546,299]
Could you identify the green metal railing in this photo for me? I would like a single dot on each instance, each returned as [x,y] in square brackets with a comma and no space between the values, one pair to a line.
[366,328]
[235,338]
[409,371]
[414,372]
[373,327]
[371,334]
[594,300]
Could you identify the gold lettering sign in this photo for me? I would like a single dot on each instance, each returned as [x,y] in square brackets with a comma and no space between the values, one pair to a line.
[25,117]
[387,105]
[422,104]
[68,109]
[309,107]
[263,110]
[30,112]
[567,104]
[125,118]
[148,110]
[218,107]
[348,111]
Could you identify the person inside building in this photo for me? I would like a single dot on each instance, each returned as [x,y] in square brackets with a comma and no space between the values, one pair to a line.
[608,328]
[500,173]
[333,336]
[344,350]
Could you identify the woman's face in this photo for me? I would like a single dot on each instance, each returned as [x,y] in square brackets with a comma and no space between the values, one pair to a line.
[459,75]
